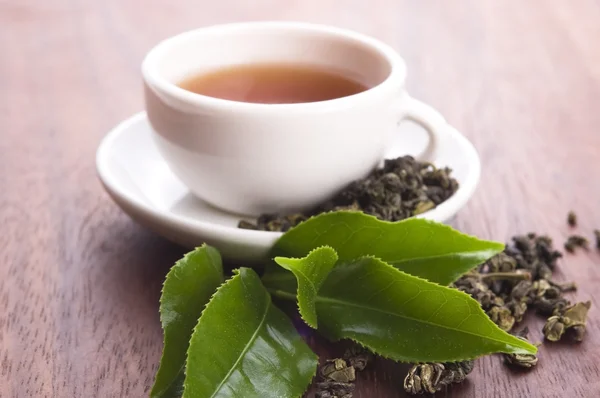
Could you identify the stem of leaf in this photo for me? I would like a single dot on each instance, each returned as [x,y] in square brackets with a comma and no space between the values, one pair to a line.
[505,276]
[282,294]
[565,287]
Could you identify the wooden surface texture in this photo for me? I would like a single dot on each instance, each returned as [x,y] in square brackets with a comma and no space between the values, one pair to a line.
[80,282]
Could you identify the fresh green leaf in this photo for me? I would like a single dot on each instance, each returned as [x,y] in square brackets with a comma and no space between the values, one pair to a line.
[311,271]
[243,346]
[419,247]
[400,316]
[187,288]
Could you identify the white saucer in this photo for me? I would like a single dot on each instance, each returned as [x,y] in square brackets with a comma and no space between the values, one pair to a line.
[140,182]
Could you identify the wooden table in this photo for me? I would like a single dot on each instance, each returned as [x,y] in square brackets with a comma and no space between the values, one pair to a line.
[80,282]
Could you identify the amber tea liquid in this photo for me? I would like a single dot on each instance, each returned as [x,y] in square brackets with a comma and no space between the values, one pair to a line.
[273,84]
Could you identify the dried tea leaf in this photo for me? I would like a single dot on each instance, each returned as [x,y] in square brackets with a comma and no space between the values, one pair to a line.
[424,378]
[358,357]
[572,318]
[311,271]
[554,328]
[400,316]
[423,248]
[430,378]
[526,361]
[187,288]
[572,219]
[334,389]
[338,370]
[575,241]
[243,346]
[502,317]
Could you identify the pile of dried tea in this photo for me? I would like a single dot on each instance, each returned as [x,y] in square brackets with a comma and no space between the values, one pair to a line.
[507,286]
[520,279]
[402,188]
[536,256]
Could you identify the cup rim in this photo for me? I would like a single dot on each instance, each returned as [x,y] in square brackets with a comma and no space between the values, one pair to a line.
[394,82]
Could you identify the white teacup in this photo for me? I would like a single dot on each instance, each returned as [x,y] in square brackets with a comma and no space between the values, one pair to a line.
[252,158]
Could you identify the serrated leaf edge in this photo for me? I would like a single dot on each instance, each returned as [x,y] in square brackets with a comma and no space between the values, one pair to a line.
[404,221]
[236,274]
[178,264]
[496,248]
[487,253]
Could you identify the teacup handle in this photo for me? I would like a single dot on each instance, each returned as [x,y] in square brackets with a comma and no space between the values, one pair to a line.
[430,119]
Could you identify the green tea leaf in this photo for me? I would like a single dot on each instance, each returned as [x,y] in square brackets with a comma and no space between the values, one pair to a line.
[400,316]
[419,247]
[243,346]
[187,288]
[311,271]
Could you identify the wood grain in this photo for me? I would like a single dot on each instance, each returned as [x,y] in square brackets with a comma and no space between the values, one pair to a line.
[79,281]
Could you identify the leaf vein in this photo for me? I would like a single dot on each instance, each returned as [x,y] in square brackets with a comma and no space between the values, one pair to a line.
[247,347]
[383,289]
[364,307]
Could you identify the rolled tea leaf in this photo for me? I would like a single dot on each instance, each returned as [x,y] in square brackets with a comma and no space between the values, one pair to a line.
[419,247]
[243,346]
[400,316]
[188,287]
[310,271]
